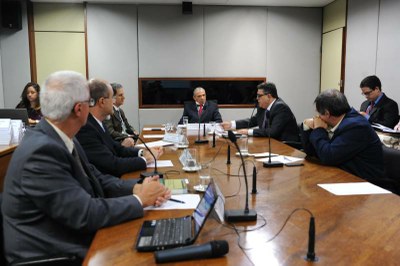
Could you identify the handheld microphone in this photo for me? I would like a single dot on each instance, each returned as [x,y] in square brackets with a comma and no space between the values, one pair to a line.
[155,172]
[201,141]
[246,214]
[212,249]
[270,163]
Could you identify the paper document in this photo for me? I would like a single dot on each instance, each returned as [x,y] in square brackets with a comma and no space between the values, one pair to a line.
[190,202]
[154,128]
[353,188]
[154,144]
[384,128]
[258,154]
[287,160]
[153,136]
[161,163]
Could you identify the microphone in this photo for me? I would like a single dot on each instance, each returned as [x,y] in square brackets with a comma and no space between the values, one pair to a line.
[212,249]
[270,163]
[311,241]
[246,214]
[213,143]
[155,172]
[201,141]
[228,158]
[254,190]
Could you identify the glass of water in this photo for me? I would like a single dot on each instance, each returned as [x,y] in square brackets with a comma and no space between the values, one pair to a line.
[204,176]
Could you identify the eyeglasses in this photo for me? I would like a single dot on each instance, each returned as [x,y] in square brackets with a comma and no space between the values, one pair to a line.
[367,93]
[260,95]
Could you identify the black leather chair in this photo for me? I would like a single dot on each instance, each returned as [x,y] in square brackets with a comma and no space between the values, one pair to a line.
[56,260]
[391,159]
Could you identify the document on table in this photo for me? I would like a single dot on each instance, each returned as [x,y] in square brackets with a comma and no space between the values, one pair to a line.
[161,163]
[154,144]
[153,136]
[287,160]
[190,202]
[353,188]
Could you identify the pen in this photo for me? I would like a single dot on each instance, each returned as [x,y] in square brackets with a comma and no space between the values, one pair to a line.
[175,200]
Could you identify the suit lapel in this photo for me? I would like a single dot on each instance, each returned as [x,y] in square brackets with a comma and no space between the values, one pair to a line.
[107,141]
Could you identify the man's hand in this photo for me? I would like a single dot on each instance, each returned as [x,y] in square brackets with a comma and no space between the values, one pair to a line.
[318,122]
[151,192]
[157,151]
[309,122]
[363,113]
[226,125]
[243,131]
[128,142]
[397,127]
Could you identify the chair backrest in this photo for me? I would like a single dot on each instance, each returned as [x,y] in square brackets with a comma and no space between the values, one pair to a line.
[391,158]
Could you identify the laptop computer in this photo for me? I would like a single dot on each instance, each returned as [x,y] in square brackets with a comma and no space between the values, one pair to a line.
[20,113]
[175,232]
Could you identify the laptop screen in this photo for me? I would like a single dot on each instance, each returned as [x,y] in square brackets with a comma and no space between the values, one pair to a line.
[21,114]
[205,206]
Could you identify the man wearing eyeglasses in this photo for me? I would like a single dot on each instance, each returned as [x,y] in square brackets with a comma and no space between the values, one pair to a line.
[378,108]
[273,117]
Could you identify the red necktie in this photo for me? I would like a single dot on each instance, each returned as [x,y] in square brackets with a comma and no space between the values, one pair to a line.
[200,109]
[369,109]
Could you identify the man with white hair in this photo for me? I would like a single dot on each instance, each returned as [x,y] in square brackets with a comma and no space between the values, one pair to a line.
[54,201]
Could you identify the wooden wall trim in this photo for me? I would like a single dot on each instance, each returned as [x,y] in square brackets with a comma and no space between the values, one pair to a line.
[31,36]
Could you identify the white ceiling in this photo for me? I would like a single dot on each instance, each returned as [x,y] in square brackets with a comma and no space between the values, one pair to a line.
[297,3]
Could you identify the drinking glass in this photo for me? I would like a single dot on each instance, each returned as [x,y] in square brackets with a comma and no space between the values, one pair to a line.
[204,176]
[243,145]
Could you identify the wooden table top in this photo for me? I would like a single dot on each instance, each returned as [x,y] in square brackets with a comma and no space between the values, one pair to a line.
[350,230]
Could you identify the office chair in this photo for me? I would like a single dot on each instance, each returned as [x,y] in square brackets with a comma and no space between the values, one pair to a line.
[295,144]
[391,159]
[56,260]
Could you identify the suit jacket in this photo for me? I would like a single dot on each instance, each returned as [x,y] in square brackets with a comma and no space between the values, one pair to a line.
[283,125]
[108,155]
[114,125]
[385,112]
[354,147]
[49,206]
[210,112]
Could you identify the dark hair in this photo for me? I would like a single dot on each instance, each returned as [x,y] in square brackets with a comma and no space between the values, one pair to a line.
[268,88]
[115,86]
[24,103]
[332,101]
[371,82]
[98,89]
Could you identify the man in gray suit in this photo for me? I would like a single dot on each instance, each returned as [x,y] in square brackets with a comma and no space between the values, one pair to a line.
[54,201]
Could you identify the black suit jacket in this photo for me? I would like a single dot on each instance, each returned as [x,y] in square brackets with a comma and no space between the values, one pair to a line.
[385,112]
[210,112]
[108,155]
[283,125]
[49,206]
[114,125]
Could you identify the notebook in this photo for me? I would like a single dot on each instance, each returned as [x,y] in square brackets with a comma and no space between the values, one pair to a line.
[20,113]
[175,232]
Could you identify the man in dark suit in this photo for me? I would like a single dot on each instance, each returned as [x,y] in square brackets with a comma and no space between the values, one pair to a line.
[378,108]
[54,201]
[273,117]
[117,125]
[108,155]
[340,136]
[201,110]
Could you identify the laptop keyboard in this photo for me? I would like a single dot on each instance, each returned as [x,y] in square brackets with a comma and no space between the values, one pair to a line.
[172,231]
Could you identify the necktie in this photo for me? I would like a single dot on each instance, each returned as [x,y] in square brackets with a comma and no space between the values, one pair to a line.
[98,191]
[200,109]
[266,118]
[369,109]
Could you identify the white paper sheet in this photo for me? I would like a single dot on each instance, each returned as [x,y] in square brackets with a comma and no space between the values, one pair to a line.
[190,202]
[287,160]
[161,163]
[154,128]
[153,136]
[353,188]
[154,144]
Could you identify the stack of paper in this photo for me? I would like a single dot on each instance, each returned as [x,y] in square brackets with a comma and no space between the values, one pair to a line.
[5,131]
[17,131]
[286,160]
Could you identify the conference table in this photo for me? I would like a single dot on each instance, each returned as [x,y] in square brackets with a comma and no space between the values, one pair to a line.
[350,230]
[6,151]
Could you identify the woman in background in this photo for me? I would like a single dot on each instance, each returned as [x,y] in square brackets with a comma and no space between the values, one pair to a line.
[30,101]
